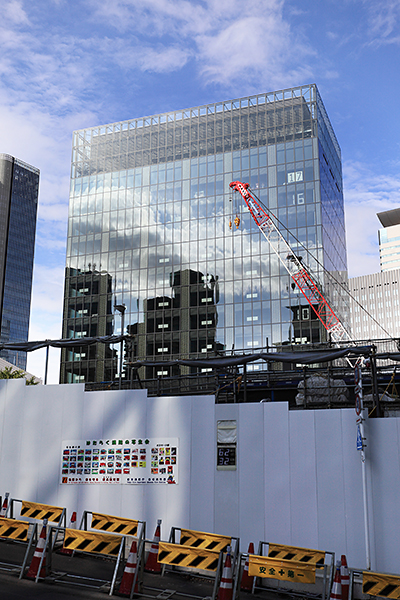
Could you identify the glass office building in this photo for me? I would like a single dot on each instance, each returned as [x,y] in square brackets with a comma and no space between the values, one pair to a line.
[149,226]
[19,188]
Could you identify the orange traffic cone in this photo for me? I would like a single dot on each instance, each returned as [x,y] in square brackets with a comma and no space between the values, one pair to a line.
[3,510]
[247,581]
[72,525]
[152,564]
[129,572]
[336,591]
[225,587]
[40,548]
[345,578]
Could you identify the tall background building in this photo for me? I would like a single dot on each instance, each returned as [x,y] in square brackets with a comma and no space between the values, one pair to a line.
[19,188]
[375,309]
[389,239]
[149,212]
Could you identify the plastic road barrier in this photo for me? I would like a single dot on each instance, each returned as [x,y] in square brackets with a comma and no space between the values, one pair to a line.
[294,553]
[13,529]
[114,524]
[186,556]
[386,585]
[90,541]
[208,541]
[39,512]
[318,559]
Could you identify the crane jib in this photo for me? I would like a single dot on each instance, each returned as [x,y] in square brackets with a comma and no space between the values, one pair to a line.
[304,281]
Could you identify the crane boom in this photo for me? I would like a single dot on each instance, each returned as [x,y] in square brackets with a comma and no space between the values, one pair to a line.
[293,264]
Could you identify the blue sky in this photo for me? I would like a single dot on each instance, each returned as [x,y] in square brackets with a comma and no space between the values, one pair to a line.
[69,65]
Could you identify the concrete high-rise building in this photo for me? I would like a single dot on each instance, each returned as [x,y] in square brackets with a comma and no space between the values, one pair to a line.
[19,187]
[389,239]
[150,206]
[375,310]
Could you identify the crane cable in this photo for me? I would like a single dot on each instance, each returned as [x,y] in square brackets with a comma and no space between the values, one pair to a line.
[235,210]
[339,283]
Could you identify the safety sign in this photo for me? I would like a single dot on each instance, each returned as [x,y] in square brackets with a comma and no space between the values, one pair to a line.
[359,439]
[120,461]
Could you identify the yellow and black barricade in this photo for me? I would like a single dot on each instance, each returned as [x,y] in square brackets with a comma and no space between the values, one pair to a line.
[93,542]
[298,554]
[200,551]
[311,565]
[121,526]
[21,532]
[39,511]
[206,541]
[89,542]
[114,524]
[110,523]
[14,529]
[385,585]
[187,556]
[177,555]
[283,570]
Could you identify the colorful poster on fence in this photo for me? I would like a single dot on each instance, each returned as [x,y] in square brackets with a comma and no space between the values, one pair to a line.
[117,461]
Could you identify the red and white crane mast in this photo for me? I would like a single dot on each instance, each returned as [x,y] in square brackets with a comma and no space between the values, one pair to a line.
[293,264]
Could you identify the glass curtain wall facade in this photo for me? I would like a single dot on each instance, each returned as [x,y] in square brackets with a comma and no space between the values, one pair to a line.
[19,188]
[150,208]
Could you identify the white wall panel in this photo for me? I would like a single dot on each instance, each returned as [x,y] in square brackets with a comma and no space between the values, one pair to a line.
[11,452]
[202,468]
[385,477]
[276,482]
[330,482]
[354,541]
[303,489]
[250,470]
[133,498]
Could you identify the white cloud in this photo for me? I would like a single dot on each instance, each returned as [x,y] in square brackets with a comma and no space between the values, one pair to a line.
[163,60]
[250,41]
[161,17]
[383,21]
[14,12]
[157,59]
[48,285]
[46,319]
[366,194]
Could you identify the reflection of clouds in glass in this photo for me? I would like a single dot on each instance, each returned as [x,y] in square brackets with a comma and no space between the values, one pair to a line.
[161,244]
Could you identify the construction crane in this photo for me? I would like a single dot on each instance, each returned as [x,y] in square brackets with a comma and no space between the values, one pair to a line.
[293,264]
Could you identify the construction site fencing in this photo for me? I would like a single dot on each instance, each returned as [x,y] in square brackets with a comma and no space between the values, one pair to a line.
[113,524]
[98,544]
[38,511]
[369,583]
[276,568]
[302,571]
[206,541]
[20,532]
[200,553]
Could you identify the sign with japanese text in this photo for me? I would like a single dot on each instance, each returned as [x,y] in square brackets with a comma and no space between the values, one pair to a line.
[285,570]
[120,461]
